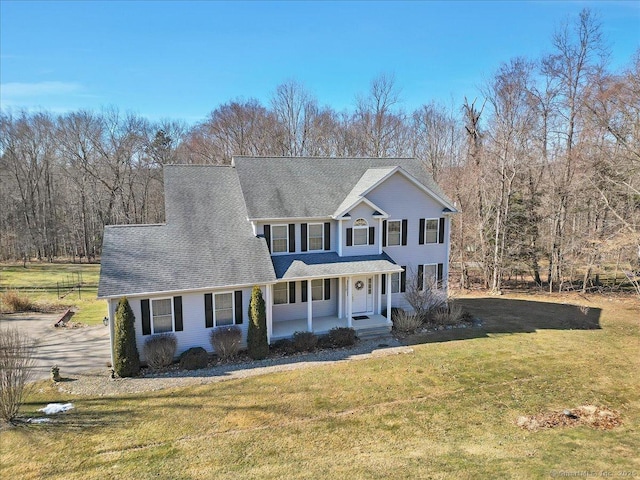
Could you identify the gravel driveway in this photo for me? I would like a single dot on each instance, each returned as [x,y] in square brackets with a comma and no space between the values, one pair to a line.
[74,350]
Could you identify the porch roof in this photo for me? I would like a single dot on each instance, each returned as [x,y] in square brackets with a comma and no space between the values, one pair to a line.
[322,265]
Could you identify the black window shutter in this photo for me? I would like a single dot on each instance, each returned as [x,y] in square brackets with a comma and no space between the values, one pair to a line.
[327,289]
[146,317]
[292,237]
[238,306]
[421,233]
[384,283]
[440,274]
[267,235]
[292,292]
[327,235]
[420,277]
[208,310]
[384,233]
[372,235]
[404,232]
[403,279]
[303,290]
[441,231]
[177,313]
[349,237]
[303,237]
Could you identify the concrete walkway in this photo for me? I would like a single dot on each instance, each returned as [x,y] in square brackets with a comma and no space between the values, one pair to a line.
[74,350]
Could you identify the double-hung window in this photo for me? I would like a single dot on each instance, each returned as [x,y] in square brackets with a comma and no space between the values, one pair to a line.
[395,282]
[431,230]
[431,277]
[360,232]
[394,230]
[316,236]
[281,293]
[223,309]
[162,315]
[317,289]
[279,238]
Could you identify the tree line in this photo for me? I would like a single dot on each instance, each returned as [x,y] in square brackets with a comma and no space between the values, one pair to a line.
[543,161]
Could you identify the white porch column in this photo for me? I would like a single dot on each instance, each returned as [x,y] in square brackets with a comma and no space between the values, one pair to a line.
[379,310]
[340,297]
[349,302]
[309,307]
[388,290]
[269,304]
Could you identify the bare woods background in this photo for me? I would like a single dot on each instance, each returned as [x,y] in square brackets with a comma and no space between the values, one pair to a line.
[543,160]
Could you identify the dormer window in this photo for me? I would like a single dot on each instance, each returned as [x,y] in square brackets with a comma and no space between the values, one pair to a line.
[360,232]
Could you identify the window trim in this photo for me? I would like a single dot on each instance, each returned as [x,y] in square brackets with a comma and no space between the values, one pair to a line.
[426,222]
[286,289]
[364,227]
[151,316]
[309,249]
[321,280]
[233,308]
[273,239]
[435,276]
[398,283]
[399,233]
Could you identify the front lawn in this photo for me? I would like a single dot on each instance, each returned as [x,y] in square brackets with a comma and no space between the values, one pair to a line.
[447,410]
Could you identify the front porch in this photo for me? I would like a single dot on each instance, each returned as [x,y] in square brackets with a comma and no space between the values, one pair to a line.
[373,324]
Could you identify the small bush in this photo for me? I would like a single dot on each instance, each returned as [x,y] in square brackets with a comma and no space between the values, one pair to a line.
[342,336]
[13,301]
[159,350]
[226,341]
[194,358]
[304,341]
[284,345]
[449,315]
[406,322]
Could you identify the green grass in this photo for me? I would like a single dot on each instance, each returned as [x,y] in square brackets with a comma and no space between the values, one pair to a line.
[38,282]
[446,410]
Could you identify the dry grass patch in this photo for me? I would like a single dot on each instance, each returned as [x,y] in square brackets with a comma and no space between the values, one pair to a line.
[590,415]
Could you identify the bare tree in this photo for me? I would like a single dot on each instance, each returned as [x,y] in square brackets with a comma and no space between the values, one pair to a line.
[16,368]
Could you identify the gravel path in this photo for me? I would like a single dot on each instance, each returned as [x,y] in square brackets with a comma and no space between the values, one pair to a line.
[100,383]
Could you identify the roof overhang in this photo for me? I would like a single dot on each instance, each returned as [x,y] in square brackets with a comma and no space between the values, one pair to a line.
[327,265]
[379,213]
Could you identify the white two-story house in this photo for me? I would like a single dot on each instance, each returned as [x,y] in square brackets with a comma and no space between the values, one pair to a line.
[330,241]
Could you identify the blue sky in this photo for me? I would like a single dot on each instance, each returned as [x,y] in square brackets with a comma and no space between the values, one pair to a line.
[180,60]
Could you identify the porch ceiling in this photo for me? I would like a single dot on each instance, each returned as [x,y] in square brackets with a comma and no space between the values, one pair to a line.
[322,265]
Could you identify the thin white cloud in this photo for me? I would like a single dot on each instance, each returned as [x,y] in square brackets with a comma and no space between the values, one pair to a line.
[37,89]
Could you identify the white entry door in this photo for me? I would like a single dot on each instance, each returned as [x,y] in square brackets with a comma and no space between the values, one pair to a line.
[362,295]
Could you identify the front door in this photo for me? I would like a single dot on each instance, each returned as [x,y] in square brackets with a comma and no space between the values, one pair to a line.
[362,295]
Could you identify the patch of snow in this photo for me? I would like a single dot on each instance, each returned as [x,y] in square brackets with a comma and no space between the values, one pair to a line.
[54,408]
[38,420]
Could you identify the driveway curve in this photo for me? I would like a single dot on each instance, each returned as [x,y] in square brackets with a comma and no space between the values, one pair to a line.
[74,350]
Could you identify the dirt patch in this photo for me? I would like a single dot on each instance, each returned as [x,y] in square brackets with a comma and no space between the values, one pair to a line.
[593,416]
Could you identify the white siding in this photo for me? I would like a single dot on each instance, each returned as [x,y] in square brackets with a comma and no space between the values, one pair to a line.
[297,223]
[195,333]
[360,211]
[297,310]
[401,199]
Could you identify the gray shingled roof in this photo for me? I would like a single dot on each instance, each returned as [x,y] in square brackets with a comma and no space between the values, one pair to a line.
[207,241]
[290,267]
[277,187]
